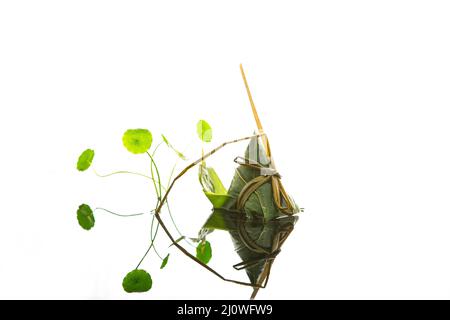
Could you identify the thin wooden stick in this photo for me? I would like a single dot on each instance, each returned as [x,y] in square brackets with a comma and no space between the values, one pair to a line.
[255,113]
[164,199]
[265,140]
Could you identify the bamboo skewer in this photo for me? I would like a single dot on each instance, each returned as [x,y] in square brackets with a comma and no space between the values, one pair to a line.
[255,113]
[278,189]
[268,264]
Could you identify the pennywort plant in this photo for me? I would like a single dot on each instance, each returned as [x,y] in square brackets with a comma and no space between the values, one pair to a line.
[140,143]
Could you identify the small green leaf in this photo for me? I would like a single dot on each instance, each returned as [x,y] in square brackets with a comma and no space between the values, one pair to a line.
[204,131]
[85,159]
[164,262]
[165,140]
[85,217]
[137,281]
[179,154]
[204,252]
[137,140]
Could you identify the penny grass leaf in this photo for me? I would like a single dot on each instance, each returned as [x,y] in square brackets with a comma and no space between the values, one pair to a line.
[85,159]
[204,131]
[137,281]
[85,217]
[204,252]
[137,140]
[178,153]
[164,262]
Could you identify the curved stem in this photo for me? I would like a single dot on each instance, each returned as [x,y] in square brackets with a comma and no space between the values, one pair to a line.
[153,165]
[153,237]
[175,225]
[156,148]
[152,243]
[121,172]
[164,199]
[168,207]
[119,214]
[158,193]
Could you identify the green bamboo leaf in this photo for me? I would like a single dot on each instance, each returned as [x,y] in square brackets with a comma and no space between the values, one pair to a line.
[137,281]
[204,252]
[164,262]
[212,186]
[85,217]
[204,131]
[85,159]
[137,140]
[178,153]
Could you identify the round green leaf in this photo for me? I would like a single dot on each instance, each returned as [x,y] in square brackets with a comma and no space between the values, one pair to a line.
[204,252]
[137,140]
[164,262]
[137,281]
[85,159]
[85,217]
[204,131]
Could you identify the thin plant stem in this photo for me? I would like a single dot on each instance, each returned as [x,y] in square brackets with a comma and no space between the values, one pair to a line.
[121,172]
[168,207]
[156,148]
[175,225]
[119,214]
[164,199]
[149,247]
[158,190]
[153,165]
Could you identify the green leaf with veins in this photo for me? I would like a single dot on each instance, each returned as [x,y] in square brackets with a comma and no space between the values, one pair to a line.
[85,217]
[137,281]
[204,131]
[137,140]
[204,252]
[85,159]
[164,262]
[178,153]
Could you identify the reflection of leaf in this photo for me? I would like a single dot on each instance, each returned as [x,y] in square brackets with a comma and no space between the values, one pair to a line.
[137,140]
[85,159]
[212,186]
[164,262]
[137,281]
[85,217]
[178,153]
[204,131]
[204,252]
[222,219]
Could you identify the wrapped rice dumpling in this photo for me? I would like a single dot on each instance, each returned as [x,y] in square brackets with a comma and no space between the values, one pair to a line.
[255,210]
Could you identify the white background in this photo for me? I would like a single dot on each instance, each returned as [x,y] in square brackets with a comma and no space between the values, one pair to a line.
[354,96]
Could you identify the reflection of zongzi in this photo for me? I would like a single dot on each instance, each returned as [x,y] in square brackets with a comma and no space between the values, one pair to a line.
[256,224]
[256,210]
